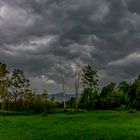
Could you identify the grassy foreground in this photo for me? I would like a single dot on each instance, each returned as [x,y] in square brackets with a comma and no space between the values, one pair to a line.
[100,125]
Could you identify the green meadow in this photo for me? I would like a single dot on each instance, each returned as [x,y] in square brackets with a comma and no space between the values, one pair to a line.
[99,125]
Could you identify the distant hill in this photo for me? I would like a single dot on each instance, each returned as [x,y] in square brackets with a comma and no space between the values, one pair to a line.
[59,96]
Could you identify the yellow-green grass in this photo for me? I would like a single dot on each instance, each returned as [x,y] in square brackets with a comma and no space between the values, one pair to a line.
[100,125]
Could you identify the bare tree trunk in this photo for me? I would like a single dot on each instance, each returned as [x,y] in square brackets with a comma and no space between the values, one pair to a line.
[64,94]
[77,82]
[63,85]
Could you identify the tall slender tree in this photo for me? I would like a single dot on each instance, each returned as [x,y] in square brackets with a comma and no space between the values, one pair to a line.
[89,80]
[62,77]
[29,96]
[18,85]
[77,81]
[4,84]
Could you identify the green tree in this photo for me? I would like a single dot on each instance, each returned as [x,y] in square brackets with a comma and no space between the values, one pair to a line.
[108,90]
[90,84]
[71,102]
[89,78]
[38,104]
[4,84]
[108,96]
[18,85]
[134,96]
[113,96]
[45,99]
[29,96]
[123,91]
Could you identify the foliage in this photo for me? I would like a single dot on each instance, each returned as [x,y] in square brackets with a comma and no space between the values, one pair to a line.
[4,85]
[90,84]
[18,85]
[88,99]
[89,78]
[134,95]
[28,99]
[16,93]
[71,102]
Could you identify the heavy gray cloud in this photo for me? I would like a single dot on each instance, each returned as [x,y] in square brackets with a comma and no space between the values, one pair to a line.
[38,35]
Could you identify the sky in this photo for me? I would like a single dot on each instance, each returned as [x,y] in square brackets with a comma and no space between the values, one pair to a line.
[38,36]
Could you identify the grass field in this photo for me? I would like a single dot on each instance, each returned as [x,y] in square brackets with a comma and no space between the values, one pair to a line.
[82,126]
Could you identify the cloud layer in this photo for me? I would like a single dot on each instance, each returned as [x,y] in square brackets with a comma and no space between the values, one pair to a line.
[38,35]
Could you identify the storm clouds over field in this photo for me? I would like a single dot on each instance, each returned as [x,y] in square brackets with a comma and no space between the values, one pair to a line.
[37,35]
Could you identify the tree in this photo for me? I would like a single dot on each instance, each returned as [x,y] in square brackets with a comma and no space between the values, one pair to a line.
[4,84]
[77,81]
[108,90]
[134,96]
[45,95]
[45,99]
[63,85]
[124,87]
[113,96]
[29,96]
[108,96]
[38,104]
[71,102]
[18,85]
[90,83]
[89,78]
[3,70]
[123,91]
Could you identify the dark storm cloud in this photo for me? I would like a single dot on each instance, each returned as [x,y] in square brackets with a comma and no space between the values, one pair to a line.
[133,6]
[37,35]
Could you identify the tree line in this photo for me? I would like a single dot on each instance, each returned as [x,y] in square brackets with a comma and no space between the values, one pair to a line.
[122,95]
[16,93]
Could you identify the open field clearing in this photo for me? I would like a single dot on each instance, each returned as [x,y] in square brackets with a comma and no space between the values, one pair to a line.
[81,126]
